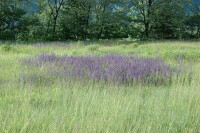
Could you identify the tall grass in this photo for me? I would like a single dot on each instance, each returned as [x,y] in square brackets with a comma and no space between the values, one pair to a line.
[95,107]
[66,105]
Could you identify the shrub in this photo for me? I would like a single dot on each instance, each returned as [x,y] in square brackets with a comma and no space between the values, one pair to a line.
[93,47]
[6,48]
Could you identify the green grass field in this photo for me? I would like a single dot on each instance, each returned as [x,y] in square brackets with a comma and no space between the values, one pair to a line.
[75,106]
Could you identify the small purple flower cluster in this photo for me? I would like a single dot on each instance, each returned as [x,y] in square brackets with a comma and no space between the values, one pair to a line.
[115,68]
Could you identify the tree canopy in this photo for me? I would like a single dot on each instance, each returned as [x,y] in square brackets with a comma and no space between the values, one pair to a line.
[99,19]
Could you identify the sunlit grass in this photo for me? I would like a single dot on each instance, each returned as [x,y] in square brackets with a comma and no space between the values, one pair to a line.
[87,106]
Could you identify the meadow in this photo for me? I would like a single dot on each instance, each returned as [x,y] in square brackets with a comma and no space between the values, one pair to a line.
[34,99]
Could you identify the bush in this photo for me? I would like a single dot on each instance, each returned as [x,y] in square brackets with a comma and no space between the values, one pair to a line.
[6,48]
[93,47]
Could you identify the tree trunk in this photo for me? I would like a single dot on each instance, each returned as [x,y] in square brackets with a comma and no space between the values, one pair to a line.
[198,30]
[147,29]
[55,23]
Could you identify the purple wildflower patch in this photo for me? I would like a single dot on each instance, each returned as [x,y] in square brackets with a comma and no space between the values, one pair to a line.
[114,68]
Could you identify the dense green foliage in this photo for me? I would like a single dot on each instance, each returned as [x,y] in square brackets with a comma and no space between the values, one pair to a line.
[102,19]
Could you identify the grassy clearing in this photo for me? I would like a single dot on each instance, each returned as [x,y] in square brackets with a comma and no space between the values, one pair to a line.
[76,106]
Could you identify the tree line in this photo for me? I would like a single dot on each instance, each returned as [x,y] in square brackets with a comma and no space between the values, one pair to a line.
[56,20]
